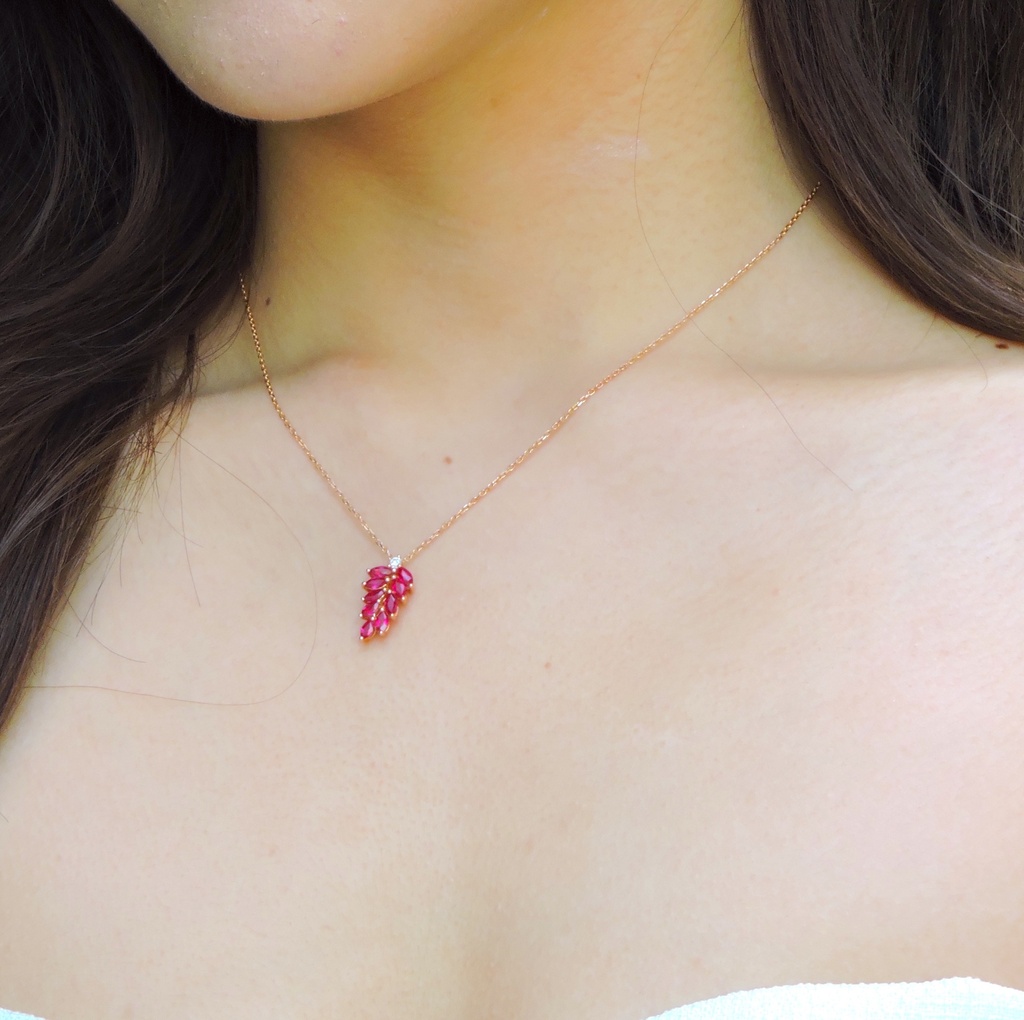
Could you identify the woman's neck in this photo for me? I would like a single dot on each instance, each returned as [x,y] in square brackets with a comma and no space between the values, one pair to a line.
[570,186]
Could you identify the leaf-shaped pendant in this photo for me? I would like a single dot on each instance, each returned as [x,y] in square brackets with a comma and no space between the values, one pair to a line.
[386,588]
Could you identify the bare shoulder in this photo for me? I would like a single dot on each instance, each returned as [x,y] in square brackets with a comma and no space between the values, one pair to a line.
[960,423]
[984,420]
[1000,367]
[965,452]
[953,490]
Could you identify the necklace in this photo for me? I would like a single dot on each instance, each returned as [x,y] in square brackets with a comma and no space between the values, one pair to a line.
[387,587]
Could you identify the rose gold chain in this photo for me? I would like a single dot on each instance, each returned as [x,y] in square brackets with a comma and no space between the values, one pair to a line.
[541,440]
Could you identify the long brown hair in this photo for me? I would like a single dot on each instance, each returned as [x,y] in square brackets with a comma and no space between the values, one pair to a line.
[126,213]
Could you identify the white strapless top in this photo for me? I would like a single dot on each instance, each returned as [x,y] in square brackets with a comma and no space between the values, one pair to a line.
[948,999]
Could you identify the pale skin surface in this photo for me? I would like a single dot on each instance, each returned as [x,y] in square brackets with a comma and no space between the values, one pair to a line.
[724,689]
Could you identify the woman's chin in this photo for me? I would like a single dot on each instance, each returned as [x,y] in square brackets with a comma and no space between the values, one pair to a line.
[266,101]
[275,60]
[279,88]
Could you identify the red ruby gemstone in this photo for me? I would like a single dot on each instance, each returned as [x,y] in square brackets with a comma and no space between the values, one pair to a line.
[366,631]
[375,583]
[390,605]
[398,588]
[381,624]
[370,597]
[404,576]
[380,572]
[369,612]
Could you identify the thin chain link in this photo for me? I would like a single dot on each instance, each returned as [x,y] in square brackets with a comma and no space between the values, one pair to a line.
[541,440]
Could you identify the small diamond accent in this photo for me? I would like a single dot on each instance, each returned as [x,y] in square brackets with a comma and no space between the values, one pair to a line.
[395,562]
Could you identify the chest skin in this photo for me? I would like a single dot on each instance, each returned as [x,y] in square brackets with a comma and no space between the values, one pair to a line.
[715,693]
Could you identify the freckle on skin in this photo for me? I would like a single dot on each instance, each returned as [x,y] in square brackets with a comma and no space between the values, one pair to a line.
[1002,346]
[267,302]
[447,460]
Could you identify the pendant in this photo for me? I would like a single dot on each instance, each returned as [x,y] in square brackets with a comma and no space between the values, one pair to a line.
[386,588]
